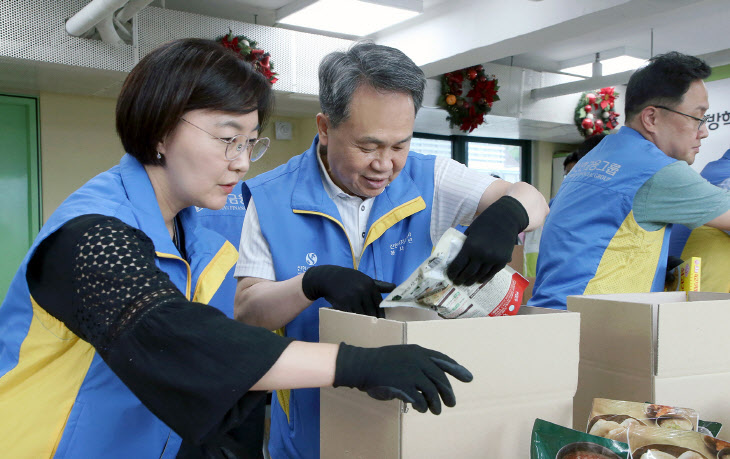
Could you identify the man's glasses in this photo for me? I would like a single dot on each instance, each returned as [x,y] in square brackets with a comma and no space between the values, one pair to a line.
[702,120]
[238,144]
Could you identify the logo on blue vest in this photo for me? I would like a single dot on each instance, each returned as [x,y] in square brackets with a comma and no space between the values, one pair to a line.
[311,259]
[400,246]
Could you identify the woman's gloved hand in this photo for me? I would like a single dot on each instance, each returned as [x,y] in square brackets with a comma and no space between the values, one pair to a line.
[489,242]
[411,373]
[345,289]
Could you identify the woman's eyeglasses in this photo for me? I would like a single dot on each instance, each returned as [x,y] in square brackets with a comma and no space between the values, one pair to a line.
[240,143]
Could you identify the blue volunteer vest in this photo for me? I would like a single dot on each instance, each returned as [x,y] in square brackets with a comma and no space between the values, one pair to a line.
[228,220]
[718,171]
[591,242]
[57,396]
[302,227]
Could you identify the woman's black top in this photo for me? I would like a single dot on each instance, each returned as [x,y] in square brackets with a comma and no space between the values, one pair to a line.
[189,364]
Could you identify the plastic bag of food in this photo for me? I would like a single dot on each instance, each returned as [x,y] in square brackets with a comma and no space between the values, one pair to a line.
[711,428]
[611,418]
[658,443]
[429,287]
[553,441]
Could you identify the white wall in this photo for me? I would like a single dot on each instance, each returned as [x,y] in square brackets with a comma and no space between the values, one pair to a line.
[79,140]
[718,142]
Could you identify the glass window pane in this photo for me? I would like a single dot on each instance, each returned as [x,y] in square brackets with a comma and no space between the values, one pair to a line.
[502,160]
[436,147]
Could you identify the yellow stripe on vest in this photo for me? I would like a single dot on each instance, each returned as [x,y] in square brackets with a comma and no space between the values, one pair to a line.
[215,273]
[629,263]
[401,212]
[52,364]
[175,257]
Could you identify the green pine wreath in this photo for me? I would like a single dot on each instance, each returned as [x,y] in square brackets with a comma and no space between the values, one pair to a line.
[468,111]
[594,113]
[247,50]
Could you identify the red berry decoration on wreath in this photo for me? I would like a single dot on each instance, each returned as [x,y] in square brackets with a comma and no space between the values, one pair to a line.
[594,113]
[246,49]
[468,111]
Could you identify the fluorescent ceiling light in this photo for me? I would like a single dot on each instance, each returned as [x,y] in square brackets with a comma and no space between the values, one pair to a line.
[348,17]
[608,66]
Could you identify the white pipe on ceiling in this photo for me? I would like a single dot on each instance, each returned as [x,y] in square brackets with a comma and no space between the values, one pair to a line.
[124,29]
[107,32]
[92,14]
[131,8]
[580,86]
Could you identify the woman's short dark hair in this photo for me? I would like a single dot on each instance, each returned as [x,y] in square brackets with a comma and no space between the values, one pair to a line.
[180,76]
[382,67]
[663,81]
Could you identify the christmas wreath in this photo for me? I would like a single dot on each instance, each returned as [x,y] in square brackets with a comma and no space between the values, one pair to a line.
[468,111]
[594,113]
[247,50]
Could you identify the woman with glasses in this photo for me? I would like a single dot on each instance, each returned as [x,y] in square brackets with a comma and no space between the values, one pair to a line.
[116,337]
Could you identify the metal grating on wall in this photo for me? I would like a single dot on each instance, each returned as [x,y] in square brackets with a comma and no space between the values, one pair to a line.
[295,55]
[35,30]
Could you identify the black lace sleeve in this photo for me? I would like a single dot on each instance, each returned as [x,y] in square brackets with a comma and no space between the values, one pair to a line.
[187,362]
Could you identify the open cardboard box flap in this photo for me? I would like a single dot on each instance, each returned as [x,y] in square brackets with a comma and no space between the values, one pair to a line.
[524,366]
[665,347]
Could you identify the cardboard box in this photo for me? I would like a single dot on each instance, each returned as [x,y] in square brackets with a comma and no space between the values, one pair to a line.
[524,366]
[669,347]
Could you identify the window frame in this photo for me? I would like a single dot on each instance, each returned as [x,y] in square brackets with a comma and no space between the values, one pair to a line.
[459,149]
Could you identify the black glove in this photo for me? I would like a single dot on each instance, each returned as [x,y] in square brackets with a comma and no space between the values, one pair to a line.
[346,289]
[489,242]
[408,372]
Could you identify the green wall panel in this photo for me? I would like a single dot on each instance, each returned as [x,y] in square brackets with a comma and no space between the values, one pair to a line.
[19,183]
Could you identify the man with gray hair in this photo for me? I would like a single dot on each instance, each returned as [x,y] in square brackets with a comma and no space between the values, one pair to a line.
[340,224]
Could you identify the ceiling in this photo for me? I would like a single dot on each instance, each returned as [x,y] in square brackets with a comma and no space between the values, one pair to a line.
[698,28]
[695,27]
[261,12]
[532,34]
[452,34]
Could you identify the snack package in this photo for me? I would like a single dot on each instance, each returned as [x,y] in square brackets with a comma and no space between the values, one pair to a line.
[711,428]
[553,441]
[429,287]
[611,418]
[687,276]
[657,443]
